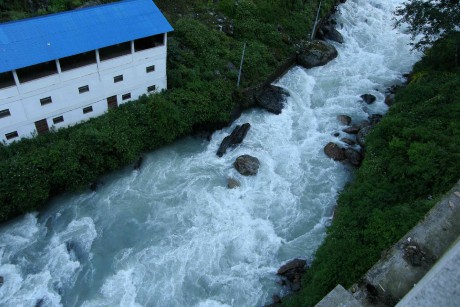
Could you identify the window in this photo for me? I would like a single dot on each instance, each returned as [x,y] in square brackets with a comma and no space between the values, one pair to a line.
[87,109]
[117,78]
[58,119]
[11,135]
[78,60]
[126,96]
[45,100]
[148,42]
[83,89]
[150,68]
[151,88]
[6,79]
[115,51]
[5,113]
[37,71]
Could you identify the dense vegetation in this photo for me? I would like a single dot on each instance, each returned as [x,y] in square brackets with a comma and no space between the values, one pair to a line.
[412,158]
[202,75]
[19,9]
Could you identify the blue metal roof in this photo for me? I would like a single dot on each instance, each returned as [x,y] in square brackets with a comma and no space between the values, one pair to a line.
[36,40]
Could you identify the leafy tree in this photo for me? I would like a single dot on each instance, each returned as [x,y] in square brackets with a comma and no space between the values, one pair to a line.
[432,19]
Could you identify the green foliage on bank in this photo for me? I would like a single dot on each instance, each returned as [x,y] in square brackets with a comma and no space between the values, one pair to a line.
[69,159]
[20,9]
[412,156]
[202,72]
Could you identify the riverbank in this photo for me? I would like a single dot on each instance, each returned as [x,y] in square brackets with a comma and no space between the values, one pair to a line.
[411,161]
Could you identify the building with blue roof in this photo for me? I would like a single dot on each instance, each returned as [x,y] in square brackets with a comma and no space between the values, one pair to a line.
[61,69]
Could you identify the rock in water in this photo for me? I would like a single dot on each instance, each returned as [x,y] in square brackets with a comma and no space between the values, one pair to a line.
[271,98]
[348,141]
[344,119]
[368,98]
[247,165]
[137,165]
[294,264]
[351,130]
[354,156]
[233,183]
[316,53]
[333,151]
[362,134]
[390,99]
[2,280]
[276,299]
[236,137]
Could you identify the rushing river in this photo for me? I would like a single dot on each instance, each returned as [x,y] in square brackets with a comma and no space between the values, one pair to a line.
[172,234]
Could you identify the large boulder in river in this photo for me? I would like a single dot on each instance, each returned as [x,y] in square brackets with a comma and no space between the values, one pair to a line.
[316,53]
[247,165]
[271,98]
[236,137]
[334,151]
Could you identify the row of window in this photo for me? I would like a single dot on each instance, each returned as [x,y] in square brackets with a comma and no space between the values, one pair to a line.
[82,89]
[79,60]
[60,119]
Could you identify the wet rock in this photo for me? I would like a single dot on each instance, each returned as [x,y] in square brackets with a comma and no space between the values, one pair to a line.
[40,302]
[332,34]
[2,280]
[137,165]
[293,265]
[296,284]
[375,119]
[247,165]
[362,134]
[348,141]
[333,151]
[368,98]
[316,53]
[336,134]
[344,119]
[271,98]
[352,130]
[236,137]
[390,99]
[69,245]
[276,299]
[354,156]
[95,185]
[233,183]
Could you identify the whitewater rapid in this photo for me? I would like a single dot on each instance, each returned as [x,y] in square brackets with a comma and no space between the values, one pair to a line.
[172,234]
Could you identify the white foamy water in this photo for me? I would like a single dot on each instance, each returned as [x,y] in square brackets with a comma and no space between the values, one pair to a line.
[172,234]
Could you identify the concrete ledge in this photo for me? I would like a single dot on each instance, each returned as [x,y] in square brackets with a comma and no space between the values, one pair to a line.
[388,281]
[339,297]
[440,286]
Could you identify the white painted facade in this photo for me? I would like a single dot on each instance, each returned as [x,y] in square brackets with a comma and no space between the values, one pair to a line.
[22,100]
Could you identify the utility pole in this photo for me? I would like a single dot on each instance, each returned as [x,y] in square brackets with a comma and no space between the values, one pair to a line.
[316,21]
[241,66]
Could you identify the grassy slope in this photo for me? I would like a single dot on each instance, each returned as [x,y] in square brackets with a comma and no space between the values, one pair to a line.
[412,156]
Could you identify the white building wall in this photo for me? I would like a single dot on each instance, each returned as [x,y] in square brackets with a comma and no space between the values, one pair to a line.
[23,101]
